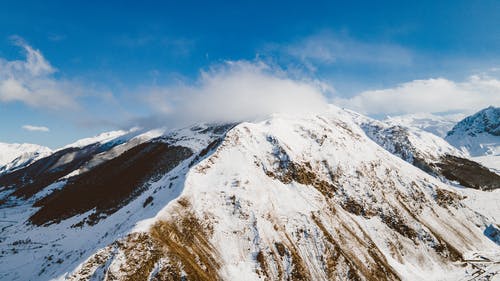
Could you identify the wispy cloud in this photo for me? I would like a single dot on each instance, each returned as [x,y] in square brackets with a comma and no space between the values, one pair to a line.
[430,95]
[328,48]
[234,91]
[31,81]
[32,128]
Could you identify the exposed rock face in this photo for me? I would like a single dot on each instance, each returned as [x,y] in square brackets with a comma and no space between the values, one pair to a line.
[484,121]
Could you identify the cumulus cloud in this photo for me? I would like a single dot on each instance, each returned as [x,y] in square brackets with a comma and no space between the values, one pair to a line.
[32,82]
[431,95]
[32,128]
[236,91]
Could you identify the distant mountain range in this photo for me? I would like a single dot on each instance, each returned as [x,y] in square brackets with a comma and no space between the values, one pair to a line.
[477,135]
[439,125]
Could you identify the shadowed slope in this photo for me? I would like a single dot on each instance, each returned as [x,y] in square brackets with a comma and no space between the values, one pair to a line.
[110,185]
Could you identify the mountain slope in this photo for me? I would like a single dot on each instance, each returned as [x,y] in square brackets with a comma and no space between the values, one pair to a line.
[478,134]
[429,153]
[309,199]
[89,199]
[15,155]
[292,197]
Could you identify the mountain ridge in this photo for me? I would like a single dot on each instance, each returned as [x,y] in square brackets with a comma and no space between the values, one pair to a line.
[14,155]
[479,136]
[310,197]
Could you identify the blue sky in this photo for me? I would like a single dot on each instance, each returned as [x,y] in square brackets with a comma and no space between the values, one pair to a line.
[118,64]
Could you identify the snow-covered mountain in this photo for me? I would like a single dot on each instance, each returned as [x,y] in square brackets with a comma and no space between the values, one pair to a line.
[439,125]
[479,136]
[14,155]
[427,152]
[334,196]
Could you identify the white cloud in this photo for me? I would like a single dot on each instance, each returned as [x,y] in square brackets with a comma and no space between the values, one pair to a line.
[236,91]
[431,95]
[32,128]
[31,81]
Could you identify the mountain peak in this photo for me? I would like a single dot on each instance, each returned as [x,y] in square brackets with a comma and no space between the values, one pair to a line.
[484,121]
[13,155]
[478,134]
[332,196]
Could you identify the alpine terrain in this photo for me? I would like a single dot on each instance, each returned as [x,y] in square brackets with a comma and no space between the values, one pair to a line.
[328,196]
[479,136]
[439,125]
[16,155]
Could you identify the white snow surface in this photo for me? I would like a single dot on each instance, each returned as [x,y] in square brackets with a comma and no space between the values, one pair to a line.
[405,141]
[478,134]
[101,138]
[13,155]
[249,210]
[438,125]
[490,161]
[28,252]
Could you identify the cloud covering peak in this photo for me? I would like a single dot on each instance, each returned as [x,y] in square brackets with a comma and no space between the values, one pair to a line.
[236,91]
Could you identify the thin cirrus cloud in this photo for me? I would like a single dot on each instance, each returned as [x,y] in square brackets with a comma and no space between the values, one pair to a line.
[235,91]
[31,81]
[431,95]
[328,48]
[32,128]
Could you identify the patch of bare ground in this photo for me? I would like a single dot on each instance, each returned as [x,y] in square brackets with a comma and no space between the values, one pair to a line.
[399,225]
[110,185]
[141,254]
[261,260]
[446,198]
[394,217]
[185,242]
[356,208]
[447,251]
[468,173]
[303,174]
